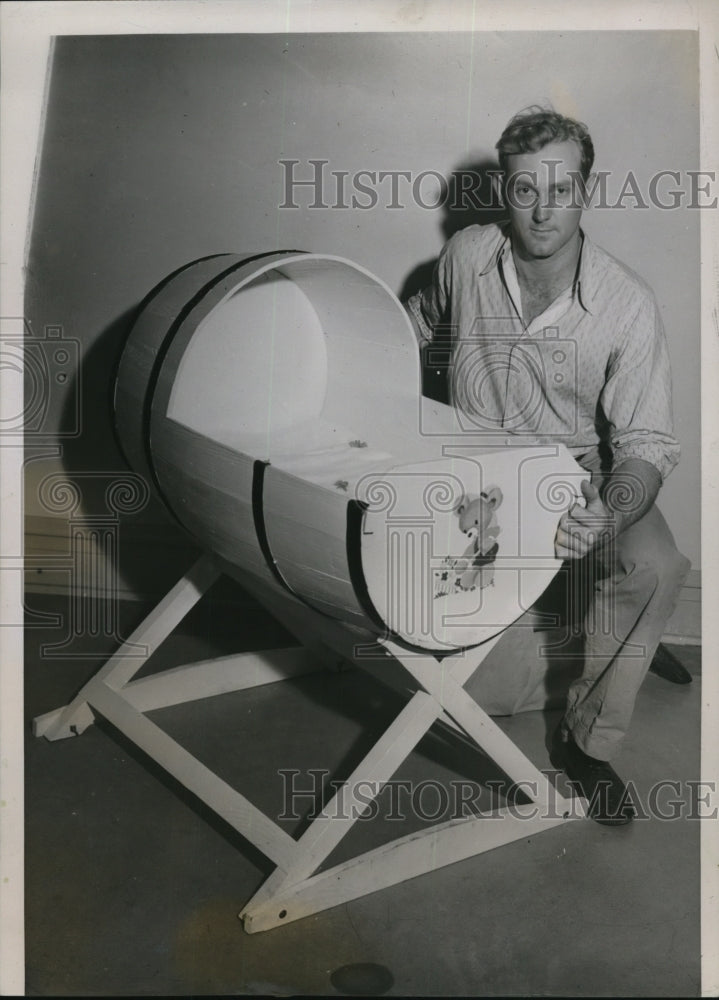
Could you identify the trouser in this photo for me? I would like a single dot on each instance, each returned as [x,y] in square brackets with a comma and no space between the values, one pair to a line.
[591,638]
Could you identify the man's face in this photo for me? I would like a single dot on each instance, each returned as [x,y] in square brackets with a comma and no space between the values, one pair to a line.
[544,198]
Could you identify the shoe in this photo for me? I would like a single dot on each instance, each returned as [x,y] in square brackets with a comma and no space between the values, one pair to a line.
[666,665]
[609,801]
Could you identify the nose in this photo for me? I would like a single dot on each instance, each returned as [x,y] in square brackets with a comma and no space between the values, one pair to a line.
[540,212]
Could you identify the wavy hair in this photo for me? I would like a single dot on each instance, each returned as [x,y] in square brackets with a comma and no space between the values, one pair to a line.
[535,127]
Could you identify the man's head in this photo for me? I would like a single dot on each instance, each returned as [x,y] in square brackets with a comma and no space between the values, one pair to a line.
[535,127]
[546,160]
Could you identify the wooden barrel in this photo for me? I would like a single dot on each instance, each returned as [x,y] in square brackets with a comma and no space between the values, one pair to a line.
[274,403]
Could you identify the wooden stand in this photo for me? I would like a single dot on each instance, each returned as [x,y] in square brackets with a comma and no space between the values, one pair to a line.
[294,890]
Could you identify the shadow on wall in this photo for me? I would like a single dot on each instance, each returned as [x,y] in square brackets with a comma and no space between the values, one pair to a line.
[151,550]
[471,200]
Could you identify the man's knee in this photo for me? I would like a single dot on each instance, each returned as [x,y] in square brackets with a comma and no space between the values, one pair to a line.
[673,566]
[648,546]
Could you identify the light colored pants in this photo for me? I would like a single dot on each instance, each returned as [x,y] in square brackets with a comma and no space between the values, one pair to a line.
[613,606]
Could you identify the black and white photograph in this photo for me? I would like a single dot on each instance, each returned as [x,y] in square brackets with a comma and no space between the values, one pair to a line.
[359,440]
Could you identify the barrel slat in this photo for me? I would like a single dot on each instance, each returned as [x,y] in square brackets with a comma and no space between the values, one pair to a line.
[238,364]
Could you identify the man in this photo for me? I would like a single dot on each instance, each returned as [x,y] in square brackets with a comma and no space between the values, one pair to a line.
[555,340]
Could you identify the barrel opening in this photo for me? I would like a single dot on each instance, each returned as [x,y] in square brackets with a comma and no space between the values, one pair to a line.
[300,366]
[255,368]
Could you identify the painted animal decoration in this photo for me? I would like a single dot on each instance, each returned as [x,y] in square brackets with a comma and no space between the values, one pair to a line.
[475,567]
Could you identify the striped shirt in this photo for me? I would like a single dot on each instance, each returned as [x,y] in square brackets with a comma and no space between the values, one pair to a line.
[592,371]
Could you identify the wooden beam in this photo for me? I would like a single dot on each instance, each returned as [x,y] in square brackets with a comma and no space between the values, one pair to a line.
[207,678]
[345,808]
[234,808]
[398,861]
[438,680]
[124,664]
[62,722]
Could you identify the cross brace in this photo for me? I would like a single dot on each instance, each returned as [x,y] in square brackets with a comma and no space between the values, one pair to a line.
[297,888]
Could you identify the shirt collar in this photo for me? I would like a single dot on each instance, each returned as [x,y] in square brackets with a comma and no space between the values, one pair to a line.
[585,284]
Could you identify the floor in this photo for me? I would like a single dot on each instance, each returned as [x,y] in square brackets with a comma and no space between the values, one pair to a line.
[134,888]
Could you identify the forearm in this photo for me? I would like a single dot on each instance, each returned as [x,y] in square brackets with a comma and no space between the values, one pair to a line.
[629,491]
[420,332]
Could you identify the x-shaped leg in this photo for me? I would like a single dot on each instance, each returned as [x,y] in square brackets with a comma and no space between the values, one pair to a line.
[296,892]
[297,887]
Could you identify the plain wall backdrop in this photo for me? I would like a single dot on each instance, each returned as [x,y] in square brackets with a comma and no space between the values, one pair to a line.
[161,149]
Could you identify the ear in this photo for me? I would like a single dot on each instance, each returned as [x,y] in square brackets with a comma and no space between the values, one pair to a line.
[494,496]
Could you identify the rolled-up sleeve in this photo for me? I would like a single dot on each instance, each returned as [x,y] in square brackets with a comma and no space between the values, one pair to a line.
[428,307]
[637,396]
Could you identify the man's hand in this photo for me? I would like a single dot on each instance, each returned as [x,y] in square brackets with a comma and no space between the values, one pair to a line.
[627,494]
[582,528]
